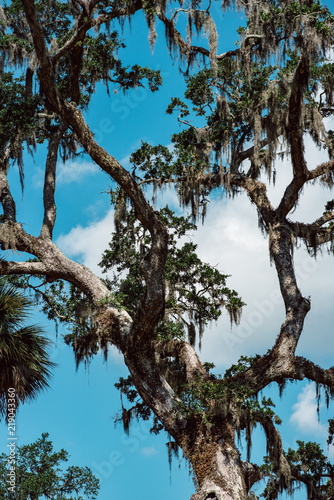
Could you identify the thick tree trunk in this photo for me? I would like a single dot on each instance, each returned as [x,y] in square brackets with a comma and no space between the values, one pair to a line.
[216,465]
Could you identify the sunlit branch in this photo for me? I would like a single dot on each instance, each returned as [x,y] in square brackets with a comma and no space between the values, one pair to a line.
[17,268]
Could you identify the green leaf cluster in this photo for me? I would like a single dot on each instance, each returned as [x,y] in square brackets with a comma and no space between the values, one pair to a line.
[309,466]
[18,117]
[195,291]
[40,474]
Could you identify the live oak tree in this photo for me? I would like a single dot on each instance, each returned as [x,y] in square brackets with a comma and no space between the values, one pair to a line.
[249,104]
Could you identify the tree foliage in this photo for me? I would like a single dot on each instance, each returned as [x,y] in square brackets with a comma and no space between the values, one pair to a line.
[25,362]
[242,109]
[40,473]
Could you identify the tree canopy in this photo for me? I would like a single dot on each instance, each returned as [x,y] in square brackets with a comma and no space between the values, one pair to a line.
[39,474]
[242,109]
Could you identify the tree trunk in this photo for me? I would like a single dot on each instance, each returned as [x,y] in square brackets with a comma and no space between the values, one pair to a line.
[218,471]
[217,468]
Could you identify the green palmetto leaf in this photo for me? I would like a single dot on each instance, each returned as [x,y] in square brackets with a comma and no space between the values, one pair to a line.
[24,360]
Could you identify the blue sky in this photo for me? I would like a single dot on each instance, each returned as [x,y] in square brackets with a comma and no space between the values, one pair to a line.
[79,407]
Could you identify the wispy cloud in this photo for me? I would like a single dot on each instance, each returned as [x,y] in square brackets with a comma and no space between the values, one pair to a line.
[86,244]
[67,173]
[149,451]
[305,415]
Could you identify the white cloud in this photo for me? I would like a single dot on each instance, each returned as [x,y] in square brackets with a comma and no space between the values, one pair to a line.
[304,418]
[38,177]
[74,171]
[149,451]
[86,244]
[67,172]
[305,415]
[231,239]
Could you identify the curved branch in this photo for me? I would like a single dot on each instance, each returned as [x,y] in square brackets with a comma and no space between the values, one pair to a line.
[47,69]
[248,153]
[273,367]
[187,354]
[53,264]
[275,448]
[324,218]
[184,47]
[153,264]
[257,192]
[130,335]
[188,50]
[73,116]
[252,474]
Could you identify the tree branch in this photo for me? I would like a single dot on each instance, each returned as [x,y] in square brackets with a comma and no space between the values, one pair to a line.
[324,169]
[188,356]
[50,183]
[6,199]
[295,136]
[184,47]
[31,268]
[275,448]
[53,264]
[130,335]
[47,300]
[153,264]
[80,31]
[314,234]
[46,73]
[303,368]
[257,192]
